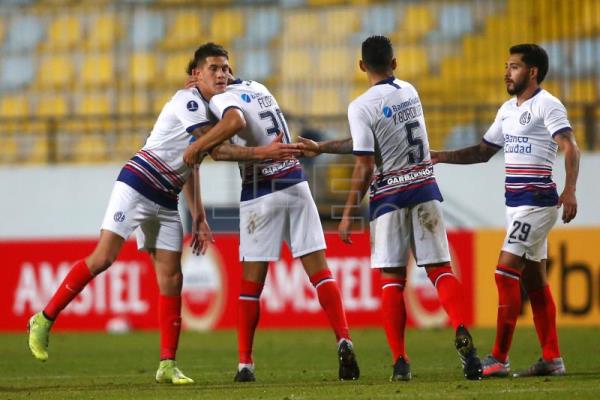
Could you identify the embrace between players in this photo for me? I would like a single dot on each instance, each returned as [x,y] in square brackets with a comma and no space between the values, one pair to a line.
[236,120]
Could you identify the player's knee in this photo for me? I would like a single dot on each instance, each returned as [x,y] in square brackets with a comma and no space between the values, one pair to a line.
[100,263]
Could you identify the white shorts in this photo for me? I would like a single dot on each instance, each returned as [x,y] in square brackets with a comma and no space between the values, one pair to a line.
[288,215]
[527,231]
[419,228]
[155,226]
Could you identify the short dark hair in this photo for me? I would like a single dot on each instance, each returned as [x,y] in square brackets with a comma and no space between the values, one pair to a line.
[534,56]
[209,49]
[377,53]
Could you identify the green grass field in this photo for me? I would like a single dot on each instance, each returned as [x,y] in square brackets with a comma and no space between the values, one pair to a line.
[290,365]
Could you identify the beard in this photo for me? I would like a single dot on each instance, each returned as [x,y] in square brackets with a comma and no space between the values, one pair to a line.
[518,88]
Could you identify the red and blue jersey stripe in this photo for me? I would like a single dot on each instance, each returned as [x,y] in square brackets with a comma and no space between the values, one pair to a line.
[530,184]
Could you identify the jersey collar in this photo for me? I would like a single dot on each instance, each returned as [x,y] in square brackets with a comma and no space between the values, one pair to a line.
[387,81]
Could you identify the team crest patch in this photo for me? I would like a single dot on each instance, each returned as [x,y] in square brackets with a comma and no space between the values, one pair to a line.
[192,105]
[119,216]
[525,118]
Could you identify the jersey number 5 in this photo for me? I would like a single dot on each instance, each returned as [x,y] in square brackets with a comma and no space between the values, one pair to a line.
[415,154]
[277,124]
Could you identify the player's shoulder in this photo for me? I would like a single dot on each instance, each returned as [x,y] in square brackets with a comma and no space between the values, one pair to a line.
[546,99]
[191,98]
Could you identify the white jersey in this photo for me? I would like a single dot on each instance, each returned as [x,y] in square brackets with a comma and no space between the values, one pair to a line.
[157,171]
[264,120]
[387,121]
[526,133]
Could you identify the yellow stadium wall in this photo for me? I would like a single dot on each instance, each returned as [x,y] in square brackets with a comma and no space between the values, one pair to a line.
[574,276]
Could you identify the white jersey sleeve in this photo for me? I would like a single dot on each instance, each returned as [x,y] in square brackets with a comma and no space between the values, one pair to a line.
[363,138]
[189,111]
[494,135]
[223,102]
[555,116]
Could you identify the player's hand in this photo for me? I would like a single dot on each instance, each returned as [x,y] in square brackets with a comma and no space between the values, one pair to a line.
[344,230]
[278,151]
[191,156]
[201,237]
[435,156]
[568,201]
[191,81]
[309,148]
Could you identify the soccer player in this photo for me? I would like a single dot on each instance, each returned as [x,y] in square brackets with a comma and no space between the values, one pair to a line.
[389,141]
[276,205]
[529,127]
[144,199]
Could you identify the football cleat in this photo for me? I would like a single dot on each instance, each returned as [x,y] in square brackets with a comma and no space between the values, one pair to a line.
[39,332]
[245,373]
[348,366]
[492,367]
[401,370]
[468,354]
[169,373]
[554,367]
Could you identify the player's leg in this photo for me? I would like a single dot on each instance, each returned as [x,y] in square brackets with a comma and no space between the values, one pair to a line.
[304,234]
[430,247]
[390,244]
[167,265]
[80,274]
[253,279]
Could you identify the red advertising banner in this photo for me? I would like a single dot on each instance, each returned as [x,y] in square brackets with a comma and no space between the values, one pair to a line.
[124,297]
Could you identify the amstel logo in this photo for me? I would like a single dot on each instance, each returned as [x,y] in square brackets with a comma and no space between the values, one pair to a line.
[204,285]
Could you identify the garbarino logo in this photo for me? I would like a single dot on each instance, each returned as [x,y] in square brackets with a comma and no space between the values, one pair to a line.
[387,112]
[204,288]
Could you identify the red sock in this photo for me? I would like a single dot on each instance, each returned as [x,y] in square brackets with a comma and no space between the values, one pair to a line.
[169,322]
[331,302]
[508,281]
[69,288]
[544,318]
[394,315]
[248,315]
[449,292]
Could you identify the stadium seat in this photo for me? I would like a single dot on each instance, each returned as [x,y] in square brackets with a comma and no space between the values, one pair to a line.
[325,2]
[56,72]
[226,25]
[38,151]
[338,24]
[582,91]
[378,19]
[94,105]
[412,62]
[586,57]
[14,106]
[52,106]
[301,27]
[290,99]
[295,64]
[138,103]
[335,63]
[416,22]
[64,33]
[339,177]
[90,148]
[10,149]
[454,20]
[128,143]
[146,29]
[160,99]
[462,136]
[16,72]
[184,31]
[97,70]
[255,65]
[143,69]
[24,33]
[104,32]
[175,68]
[558,59]
[325,101]
[262,25]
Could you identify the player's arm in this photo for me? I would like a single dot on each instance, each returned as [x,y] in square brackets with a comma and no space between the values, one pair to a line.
[232,122]
[310,148]
[478,153]
[361,178]
[566,142]
[201,233]
[276,150]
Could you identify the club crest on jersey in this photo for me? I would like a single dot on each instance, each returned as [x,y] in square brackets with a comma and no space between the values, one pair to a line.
[192,105]
[119,216]
[246,98]
[525,118]
[387,112]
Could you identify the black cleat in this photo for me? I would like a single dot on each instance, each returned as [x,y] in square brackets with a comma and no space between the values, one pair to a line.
[245,375]
[468,354]
[348,366]
[401,371]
